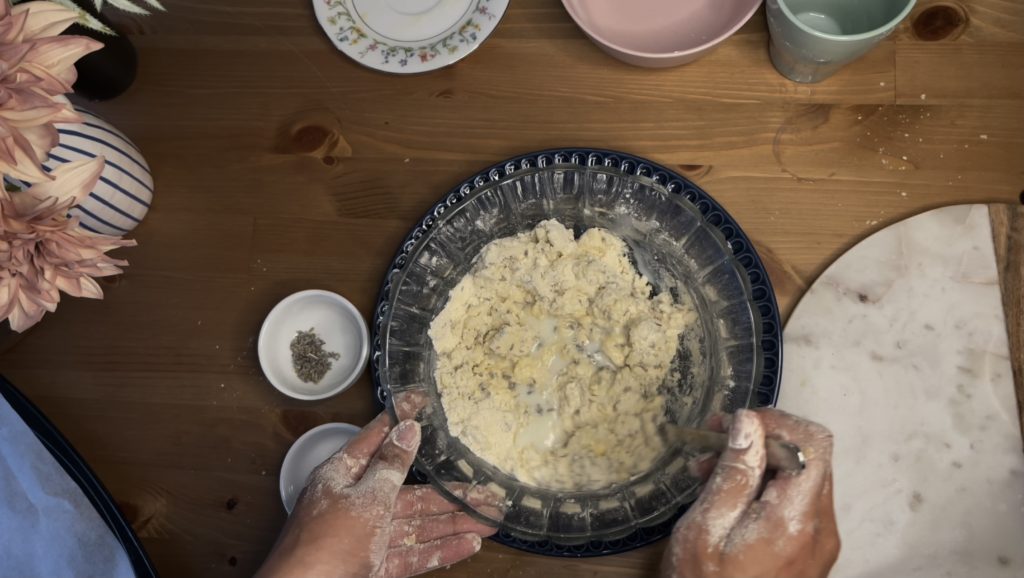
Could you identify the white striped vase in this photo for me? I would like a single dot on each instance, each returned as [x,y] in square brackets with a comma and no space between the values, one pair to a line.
[124,192]
[125,189]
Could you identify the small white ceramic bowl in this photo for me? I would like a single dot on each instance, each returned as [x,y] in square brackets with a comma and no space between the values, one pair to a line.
[335,320]
[660,33]
[308,452]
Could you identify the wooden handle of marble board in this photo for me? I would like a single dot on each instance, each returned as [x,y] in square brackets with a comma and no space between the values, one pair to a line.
[782,456]
[1008,236]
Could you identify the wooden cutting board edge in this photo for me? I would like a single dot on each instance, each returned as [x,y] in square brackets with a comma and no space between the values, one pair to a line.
[1008,237]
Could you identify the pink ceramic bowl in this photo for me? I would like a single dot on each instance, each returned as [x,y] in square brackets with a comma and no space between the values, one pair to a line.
[660,33]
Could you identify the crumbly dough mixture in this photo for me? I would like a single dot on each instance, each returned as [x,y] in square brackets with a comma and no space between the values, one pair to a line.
[550,356]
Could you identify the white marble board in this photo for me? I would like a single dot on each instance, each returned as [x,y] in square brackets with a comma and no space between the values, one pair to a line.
[901,348]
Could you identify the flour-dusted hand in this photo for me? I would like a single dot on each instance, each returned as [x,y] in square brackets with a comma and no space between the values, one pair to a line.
[736,529]
[355,519]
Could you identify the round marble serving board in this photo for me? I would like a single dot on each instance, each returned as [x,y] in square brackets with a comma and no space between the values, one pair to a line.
[901,347]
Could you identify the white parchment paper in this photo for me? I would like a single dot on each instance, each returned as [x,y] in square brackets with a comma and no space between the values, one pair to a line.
[48,528]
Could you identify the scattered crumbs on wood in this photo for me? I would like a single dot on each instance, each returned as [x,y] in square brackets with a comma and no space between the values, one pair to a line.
[983,137]
[923,96]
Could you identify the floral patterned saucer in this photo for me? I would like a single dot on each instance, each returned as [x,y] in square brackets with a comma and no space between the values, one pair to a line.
[408,36]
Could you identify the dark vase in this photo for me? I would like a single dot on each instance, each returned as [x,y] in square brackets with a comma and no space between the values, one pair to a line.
[109,71]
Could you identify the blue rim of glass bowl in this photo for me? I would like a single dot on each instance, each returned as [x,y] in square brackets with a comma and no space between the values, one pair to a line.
[767,391]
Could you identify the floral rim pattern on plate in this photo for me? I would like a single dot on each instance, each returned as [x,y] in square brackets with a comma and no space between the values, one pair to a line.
[351,36]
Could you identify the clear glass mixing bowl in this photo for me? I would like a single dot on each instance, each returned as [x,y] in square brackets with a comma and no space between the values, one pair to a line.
[671,245]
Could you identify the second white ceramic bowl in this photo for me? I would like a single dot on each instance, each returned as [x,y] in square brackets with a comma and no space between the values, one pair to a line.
[308,452]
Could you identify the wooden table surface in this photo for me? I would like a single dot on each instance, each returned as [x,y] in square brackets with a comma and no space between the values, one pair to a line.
[159,386]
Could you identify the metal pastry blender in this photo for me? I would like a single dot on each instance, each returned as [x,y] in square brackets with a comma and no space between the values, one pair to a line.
[782,456]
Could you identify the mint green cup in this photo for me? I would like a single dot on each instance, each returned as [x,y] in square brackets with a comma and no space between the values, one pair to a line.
[812,39]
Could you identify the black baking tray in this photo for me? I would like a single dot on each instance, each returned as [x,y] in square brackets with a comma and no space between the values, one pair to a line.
[69,459]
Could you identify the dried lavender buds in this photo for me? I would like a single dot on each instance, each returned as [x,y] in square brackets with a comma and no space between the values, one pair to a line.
[310,360]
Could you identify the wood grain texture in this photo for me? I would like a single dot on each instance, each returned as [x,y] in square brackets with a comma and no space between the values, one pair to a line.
[1008,236]
[281,165]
